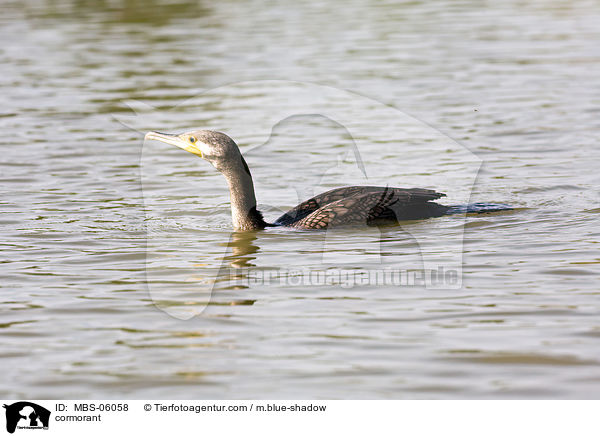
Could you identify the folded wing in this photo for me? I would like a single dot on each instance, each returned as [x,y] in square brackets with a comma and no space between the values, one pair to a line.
[355,205]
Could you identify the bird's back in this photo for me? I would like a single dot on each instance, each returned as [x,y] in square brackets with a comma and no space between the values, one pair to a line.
[360,205]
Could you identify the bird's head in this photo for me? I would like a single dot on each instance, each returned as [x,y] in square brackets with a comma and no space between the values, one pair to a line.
[216,147]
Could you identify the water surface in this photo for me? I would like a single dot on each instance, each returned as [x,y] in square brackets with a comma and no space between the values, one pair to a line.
[83,197]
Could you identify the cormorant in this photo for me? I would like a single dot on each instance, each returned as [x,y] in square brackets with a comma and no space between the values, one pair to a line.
[350,205]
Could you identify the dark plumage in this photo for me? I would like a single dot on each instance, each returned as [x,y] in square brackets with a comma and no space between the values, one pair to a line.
[369,205]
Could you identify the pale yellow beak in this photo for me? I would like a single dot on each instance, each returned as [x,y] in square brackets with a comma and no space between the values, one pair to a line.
[181,141]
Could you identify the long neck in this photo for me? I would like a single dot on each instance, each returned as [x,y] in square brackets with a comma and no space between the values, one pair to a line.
[243,201]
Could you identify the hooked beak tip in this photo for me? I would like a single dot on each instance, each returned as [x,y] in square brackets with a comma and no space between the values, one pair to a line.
[158,135]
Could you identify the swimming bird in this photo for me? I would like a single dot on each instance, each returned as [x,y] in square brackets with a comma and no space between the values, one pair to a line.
[349,205]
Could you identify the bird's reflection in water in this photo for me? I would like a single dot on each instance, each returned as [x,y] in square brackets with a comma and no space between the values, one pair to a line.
[242,249]
[237,261]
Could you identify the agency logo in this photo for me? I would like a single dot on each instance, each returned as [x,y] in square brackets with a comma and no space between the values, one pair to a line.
[26,415]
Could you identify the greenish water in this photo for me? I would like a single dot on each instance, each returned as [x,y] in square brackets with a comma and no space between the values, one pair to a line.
[109,243]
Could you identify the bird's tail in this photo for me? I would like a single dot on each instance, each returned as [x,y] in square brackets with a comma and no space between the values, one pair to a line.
[477,208]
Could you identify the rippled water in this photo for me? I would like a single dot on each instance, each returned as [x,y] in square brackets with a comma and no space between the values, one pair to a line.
[108,242]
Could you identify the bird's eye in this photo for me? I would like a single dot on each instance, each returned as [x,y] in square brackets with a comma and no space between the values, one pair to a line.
[192,139]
